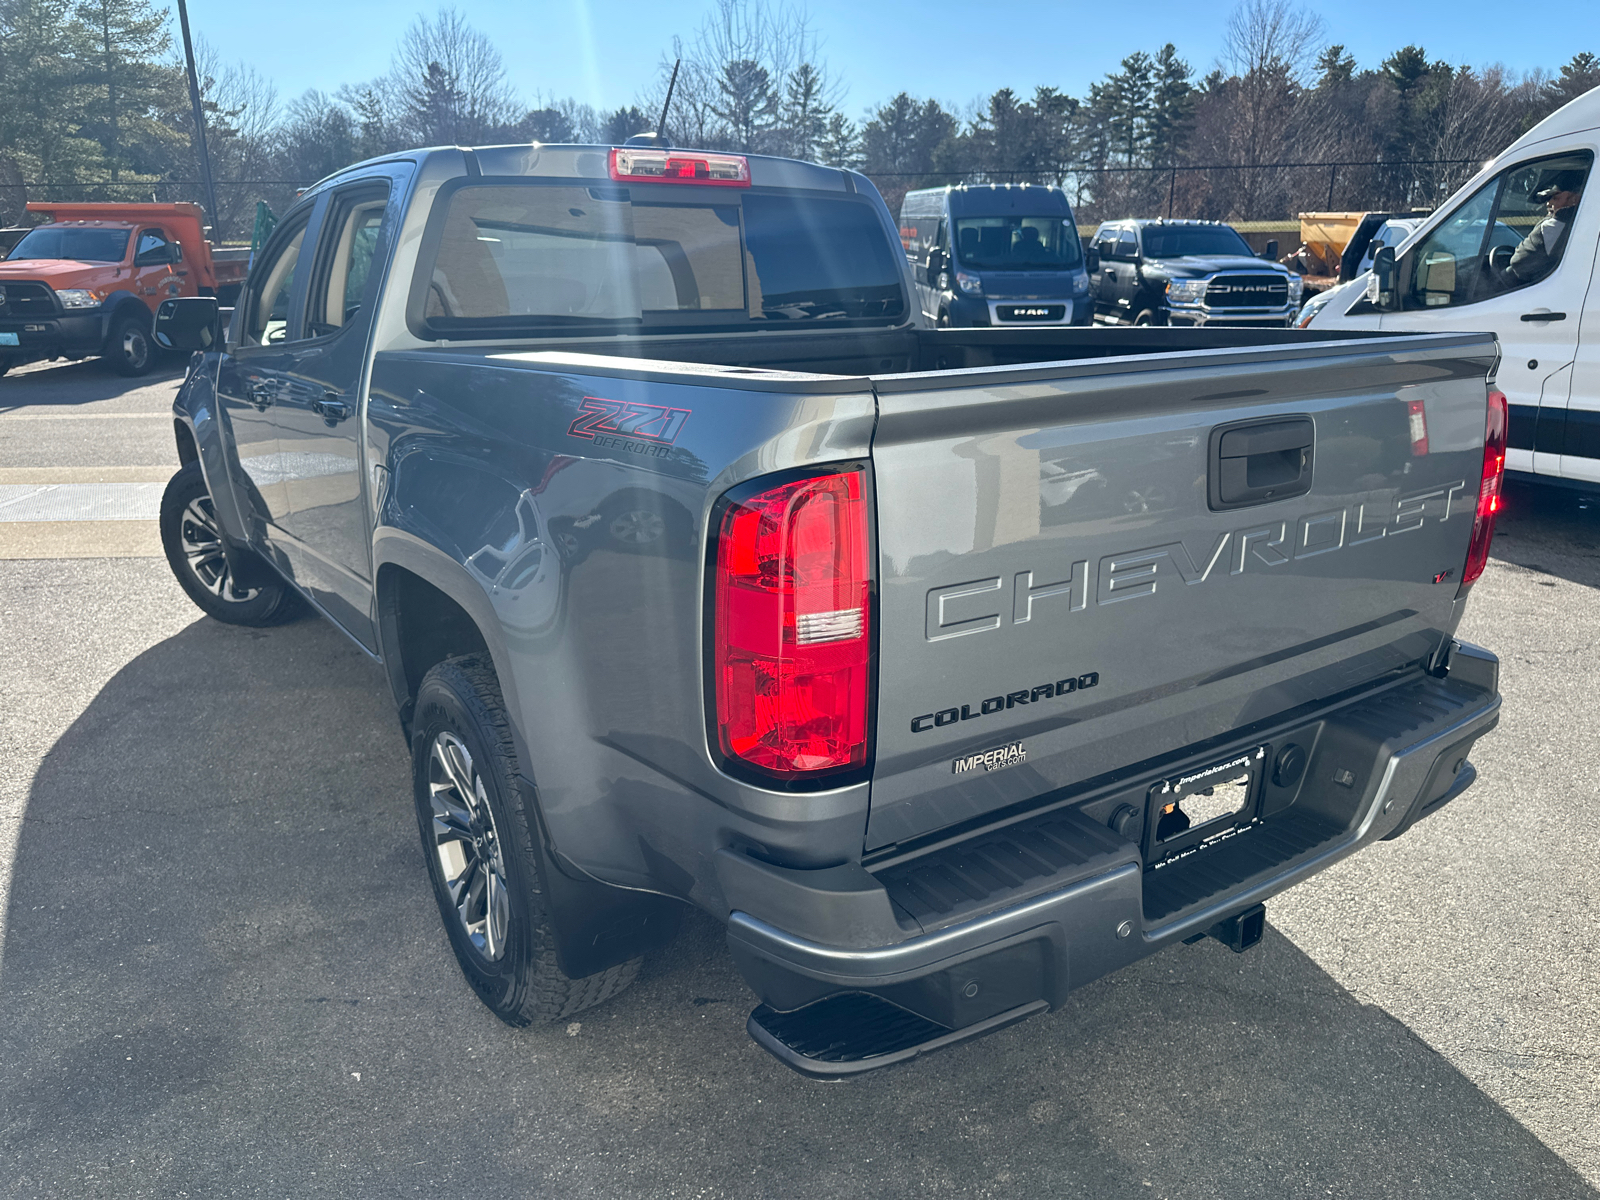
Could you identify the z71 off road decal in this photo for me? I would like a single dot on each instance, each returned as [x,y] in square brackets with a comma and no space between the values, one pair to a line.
[620,418]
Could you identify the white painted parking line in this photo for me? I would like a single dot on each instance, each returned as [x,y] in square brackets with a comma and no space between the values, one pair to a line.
[16,415]
[80,502]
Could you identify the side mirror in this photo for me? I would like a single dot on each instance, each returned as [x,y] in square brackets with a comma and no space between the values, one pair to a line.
[188,323]
[937,261]
[1380,288]
[1091,260]
[1271,252]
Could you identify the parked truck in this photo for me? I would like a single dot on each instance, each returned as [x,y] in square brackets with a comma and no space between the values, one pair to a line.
[950,669]
[87,282]
[1166,272]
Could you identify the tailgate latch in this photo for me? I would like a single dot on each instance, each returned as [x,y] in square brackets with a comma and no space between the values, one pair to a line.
[1260,462]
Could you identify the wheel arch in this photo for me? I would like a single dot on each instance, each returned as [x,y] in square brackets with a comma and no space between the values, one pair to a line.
[430,609]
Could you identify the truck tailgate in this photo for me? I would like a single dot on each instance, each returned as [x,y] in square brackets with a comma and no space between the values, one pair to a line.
[1061,597]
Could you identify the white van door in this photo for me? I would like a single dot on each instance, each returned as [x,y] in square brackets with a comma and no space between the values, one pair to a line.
[1504,261]
[1580,456]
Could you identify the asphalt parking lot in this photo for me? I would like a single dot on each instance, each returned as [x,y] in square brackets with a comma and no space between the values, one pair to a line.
[222,972]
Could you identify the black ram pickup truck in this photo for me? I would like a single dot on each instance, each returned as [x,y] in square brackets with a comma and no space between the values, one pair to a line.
[1155,272]
[950,669]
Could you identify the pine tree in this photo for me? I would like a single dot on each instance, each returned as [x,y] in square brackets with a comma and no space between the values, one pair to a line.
[747,102]
[1171,107]
[124,41]
[1580,75]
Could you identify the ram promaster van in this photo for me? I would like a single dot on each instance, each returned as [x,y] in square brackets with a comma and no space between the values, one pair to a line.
[996,254]
[1537,294]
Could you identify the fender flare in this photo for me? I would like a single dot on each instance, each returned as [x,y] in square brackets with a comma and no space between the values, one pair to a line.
[119,304]
[595,924]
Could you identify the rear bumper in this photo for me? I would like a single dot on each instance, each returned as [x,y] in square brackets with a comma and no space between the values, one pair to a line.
[1011,943]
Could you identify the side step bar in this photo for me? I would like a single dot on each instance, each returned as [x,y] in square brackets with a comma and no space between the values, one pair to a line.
[853,1032]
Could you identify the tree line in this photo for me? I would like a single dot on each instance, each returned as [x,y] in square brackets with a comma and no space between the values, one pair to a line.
[94,104]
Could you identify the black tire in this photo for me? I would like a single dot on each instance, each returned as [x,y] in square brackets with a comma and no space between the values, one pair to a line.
[191,538]
[1149,316]
[491,846]
[129,348]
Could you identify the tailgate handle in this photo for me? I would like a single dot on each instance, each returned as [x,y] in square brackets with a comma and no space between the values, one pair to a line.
[1260,462]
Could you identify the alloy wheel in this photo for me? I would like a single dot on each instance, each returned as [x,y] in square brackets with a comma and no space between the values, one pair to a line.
[201,538]
[471,857]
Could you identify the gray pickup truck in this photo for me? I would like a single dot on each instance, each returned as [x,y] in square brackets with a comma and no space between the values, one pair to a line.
[950,669]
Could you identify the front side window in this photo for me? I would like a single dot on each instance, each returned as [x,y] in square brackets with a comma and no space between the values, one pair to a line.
[81,245]
[1128,245]
[1018,243]
[272,285]
[150,240]
[1509,234]
[521,257]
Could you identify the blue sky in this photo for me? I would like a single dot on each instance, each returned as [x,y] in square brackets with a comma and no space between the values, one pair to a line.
[598,51]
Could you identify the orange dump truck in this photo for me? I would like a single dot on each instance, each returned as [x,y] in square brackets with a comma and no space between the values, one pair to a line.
[87,282]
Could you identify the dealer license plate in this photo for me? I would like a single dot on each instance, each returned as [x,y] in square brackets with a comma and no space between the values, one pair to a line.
[1197,806]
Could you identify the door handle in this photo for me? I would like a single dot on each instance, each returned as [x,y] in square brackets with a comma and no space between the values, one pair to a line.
[260,395]
[1543,314]
[1259,462]
[332,408]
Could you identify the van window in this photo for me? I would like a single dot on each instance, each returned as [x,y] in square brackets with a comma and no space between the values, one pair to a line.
[1506,236]
[1017,243]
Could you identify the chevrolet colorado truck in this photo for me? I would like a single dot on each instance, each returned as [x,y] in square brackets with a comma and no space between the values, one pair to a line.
[87,283]
[949,668]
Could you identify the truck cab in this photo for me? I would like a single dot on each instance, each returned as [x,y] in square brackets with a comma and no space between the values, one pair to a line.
[1164,272]
[995,254]
[88,281]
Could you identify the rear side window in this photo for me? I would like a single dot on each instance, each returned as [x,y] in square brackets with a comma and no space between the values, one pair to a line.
[530,257]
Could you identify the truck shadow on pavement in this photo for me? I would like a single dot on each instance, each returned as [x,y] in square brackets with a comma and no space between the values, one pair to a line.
[223,974]
[64,385]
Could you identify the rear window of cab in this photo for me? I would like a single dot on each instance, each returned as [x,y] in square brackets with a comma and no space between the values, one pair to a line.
[527,257]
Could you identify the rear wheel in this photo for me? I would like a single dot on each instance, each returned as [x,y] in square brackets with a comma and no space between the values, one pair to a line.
[192,539]
[129,349]
[482,847]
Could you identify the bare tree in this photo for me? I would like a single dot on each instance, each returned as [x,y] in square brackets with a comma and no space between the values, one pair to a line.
[1248,118]
[451,81]
[752,79]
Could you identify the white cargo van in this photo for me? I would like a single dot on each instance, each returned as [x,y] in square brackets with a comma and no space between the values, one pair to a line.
[1455,272]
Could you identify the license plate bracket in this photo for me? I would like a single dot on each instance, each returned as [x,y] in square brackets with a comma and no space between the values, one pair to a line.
[1187,812]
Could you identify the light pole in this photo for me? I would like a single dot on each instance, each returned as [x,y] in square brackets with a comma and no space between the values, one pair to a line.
[199,115]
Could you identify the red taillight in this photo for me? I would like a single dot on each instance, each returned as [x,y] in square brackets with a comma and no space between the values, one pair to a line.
[680,166]
[793,637]
[1494,471]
